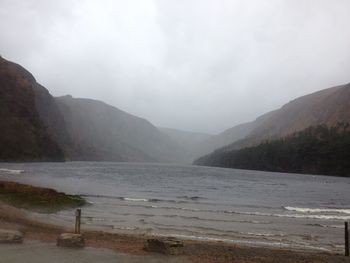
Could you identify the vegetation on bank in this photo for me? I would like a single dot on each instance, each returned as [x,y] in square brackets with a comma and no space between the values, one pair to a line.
[315,150]
[37,198]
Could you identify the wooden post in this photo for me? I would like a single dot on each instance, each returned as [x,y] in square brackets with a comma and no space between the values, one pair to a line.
[346,239]
[77,221]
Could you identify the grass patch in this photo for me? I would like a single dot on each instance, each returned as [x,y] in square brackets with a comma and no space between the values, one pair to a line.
[37,198]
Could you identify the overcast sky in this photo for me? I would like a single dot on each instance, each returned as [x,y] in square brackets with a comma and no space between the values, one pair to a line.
[198,65]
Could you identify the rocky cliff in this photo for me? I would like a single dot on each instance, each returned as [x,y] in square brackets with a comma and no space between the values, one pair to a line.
[24,136]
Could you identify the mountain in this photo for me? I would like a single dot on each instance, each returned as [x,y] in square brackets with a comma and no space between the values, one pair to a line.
[35,126]
[53,119]
[24,136]
[326,107]
[329,107]
[315,150]
[109,134]
[228,136]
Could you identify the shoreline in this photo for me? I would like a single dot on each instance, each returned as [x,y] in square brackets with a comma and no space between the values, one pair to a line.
[38,199]
[132,244]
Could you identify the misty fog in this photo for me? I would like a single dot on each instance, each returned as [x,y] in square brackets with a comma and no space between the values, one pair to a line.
[192,65]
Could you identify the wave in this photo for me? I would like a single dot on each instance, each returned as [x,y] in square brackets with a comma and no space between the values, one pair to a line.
[250,242]
[308,216]
[317,210]
[11,171]
[327,226]
[302,213]
[263,234]
[195,229]
[192,228]
[196,218]
[196,210]
[193,198]
[131,199]
[116,197]
[304,216]
[135,199]
[125,228]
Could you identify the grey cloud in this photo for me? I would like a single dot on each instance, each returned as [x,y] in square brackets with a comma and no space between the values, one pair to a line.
[197,65]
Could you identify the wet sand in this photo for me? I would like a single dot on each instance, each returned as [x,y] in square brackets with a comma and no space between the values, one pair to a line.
[40,243]
[34,251]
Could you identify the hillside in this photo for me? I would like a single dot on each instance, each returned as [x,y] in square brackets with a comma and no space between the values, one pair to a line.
[326,107]
[105,133]
[315,150]
[24,136]
[229,136]
[35,126]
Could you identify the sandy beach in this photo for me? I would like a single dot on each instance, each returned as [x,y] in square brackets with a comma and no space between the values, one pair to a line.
[34,251]
[107,247]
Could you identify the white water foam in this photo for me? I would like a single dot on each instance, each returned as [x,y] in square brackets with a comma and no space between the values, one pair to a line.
[305,216]
[10,171]
[294,215]
[135,199]
[263,234]
[317,210]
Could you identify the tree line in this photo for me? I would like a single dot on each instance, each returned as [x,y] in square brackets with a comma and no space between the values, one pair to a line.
[315,150]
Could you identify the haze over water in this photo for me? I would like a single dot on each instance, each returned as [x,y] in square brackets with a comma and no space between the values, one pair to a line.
[249,207]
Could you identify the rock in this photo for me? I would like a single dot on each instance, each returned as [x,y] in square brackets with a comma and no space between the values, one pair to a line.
[70,240]
[10,236]
[168,246]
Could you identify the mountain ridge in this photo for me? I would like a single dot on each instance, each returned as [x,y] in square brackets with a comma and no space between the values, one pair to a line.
[326,107]
[315,150]
[59,128]
[107,127]
[39,127]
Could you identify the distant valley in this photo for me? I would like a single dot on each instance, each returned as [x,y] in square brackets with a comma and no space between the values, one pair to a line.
[39,127]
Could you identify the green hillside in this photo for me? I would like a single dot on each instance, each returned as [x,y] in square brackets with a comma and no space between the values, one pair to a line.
[315,150]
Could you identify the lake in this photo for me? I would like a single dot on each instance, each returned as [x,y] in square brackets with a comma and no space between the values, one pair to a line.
[240,206]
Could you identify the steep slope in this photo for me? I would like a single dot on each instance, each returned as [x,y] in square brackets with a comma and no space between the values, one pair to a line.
[24,136]
[315,150]
[228,136]
[107,133]
[51,116]
[38,127]
[326,107]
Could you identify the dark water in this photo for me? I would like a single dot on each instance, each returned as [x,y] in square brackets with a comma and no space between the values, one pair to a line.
[249,207]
